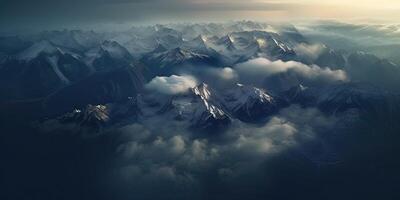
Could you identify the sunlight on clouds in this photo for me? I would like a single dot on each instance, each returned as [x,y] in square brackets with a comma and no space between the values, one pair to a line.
[338,9]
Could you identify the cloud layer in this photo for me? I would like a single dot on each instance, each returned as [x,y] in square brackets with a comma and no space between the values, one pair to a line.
[172,84]
[309,52]
[181,162]
[261,70]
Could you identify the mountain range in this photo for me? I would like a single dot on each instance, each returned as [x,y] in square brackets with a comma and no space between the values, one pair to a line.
[88,79]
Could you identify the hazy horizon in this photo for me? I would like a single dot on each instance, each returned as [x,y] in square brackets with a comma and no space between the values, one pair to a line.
[199,99]
[23,15]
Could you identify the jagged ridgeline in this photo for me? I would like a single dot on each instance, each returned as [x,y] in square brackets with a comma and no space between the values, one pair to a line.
[236,110]
[101,77]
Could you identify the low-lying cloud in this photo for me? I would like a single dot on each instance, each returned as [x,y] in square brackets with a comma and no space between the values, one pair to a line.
[260,69]
[171,85]
[309,52]
[181,161]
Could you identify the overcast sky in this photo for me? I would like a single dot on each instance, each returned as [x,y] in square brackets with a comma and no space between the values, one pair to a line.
[48,13]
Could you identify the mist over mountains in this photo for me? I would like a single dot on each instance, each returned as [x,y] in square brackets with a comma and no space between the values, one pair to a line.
[235,110]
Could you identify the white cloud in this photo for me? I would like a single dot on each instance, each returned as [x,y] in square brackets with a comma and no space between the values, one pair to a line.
[260,68]
[267,139]
[180,154]
[216,77]
[172,84]
[227,73]
[181,161]
[308,51]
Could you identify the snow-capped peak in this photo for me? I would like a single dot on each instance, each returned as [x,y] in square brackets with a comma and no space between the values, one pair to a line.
[228,42]
[90,116]
[208,113]
[249,103]
[242,93]
[198,43]
[115,49]
[203,91]
[36,49]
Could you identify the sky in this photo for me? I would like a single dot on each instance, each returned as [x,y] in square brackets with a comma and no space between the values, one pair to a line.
[47,13]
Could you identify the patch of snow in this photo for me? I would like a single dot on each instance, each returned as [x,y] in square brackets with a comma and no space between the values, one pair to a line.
[37,48]
[53,60]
